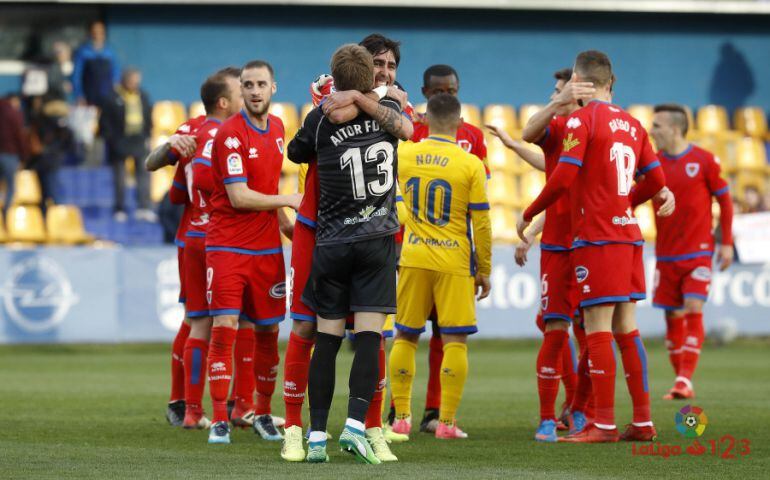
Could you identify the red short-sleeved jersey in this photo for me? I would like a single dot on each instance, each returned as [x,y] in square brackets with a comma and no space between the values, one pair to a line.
[200,179]
[187,128]
[693,176]
[244,153]
[557,231]
[610,147]
[469,138]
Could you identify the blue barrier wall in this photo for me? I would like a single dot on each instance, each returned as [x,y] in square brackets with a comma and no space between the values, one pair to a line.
[61,295]
[502,56]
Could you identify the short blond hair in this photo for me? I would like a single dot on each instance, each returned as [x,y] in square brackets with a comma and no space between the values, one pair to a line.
[352,68]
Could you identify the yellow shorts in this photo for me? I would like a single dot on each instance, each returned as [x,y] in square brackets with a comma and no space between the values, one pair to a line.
[453,296]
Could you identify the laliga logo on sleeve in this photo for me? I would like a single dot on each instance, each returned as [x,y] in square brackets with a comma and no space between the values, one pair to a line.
[37,294]
[234,164]
[692,169]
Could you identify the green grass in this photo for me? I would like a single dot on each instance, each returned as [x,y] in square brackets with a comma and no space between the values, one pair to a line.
[97,412]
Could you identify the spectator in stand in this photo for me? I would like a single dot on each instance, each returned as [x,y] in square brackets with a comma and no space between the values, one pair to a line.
[13,144]
[96,68]
[60,72]
[126,123]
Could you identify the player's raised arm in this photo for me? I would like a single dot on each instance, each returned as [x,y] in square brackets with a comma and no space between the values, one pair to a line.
[537,160]
[562,99]
[168,153]
[177,194]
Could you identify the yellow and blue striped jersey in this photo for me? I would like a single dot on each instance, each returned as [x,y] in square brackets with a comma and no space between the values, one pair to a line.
[444,190]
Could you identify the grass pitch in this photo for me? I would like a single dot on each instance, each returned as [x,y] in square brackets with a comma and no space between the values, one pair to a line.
[97,412]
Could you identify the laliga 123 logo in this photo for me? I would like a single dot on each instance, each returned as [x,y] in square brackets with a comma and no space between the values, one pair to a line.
[37,294]
[691,421]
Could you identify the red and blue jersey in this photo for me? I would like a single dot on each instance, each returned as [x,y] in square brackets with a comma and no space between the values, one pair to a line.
[200,181]
[610,147]
[557,231]
[179,184]
[694,177]
[242,152]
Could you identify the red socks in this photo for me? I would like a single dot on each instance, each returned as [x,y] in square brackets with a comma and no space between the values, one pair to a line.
[295,372]
[435,357]
[635,366]
[674,340]
[195,352]
[691,346]
[243,382]
[569,370]
[177,367]
[602,370]
[265,369]
[220,366]
[374,413]
[549,366]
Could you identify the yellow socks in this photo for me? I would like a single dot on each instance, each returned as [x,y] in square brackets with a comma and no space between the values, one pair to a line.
[402,367]
[454,372]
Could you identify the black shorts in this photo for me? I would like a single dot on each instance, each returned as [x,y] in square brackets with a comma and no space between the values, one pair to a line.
[353,277]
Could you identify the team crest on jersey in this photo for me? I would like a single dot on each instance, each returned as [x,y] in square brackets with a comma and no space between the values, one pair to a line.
[581,273]
[465,145]
[569,143]
[544,303]
[278,290]
[573,122]
[234,164]
[279,142]
[692,169]
[702,274]
[207,148]
[232,143]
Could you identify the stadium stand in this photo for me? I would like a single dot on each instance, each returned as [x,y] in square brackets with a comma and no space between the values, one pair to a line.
[25,224]
[64,224]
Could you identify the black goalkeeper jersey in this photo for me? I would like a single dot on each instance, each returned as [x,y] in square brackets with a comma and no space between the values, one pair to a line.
[357,167]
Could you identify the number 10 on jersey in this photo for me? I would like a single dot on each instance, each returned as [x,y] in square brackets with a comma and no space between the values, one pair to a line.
[437,192]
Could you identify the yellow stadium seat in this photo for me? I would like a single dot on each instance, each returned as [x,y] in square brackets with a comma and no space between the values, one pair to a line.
[471,114]
[65,225]
[288,184]
[643,113]
[3,234]
[718,146]
[288,167]
[25,224]
[160,182]
[744,180]
[167,116]
[502,116]
[712,119]
[751,155]
[751,121]
[305,110]
[646,216]
[501,189]
[532,184]
[503,222]
[196,109]
[500,157]
[27,188]
[526,112]
[287,112]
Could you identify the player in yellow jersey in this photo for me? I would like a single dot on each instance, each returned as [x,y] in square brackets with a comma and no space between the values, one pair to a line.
[444,189]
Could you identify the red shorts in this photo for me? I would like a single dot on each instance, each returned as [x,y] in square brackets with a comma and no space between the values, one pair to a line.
[302,245]
[180,266]
[557,286]
[251,286]
[195,277]
[611,273]
[675,281]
